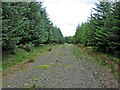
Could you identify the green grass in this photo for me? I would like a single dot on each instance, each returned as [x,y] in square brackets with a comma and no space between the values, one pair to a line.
[64,45]
[43,67]
[9,61]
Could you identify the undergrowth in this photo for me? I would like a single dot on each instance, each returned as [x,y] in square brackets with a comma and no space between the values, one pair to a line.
[9,60]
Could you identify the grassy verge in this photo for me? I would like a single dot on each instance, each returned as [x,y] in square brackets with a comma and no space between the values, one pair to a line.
[9,60]
[104,59]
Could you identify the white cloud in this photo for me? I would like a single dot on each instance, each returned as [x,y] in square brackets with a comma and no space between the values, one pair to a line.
[67,14]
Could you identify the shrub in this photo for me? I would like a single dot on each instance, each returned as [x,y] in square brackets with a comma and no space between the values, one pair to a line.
[14,50]
[27,47]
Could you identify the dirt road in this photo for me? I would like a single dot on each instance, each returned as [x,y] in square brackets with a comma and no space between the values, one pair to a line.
[65,66]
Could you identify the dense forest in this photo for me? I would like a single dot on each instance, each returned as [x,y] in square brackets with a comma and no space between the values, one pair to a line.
[25,23]
[102,29]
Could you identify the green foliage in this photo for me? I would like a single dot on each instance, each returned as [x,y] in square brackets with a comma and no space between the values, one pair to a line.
[25,24]
[68,39]
[102,30]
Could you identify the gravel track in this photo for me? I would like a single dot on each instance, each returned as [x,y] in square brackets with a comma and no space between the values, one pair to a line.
[69,72]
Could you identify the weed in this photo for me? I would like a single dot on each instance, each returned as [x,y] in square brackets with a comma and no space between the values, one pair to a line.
[58,51]
[4,83]
[39,86]
[83,62]
[92,76]
[44,67]
[69,66]
[95,73]
[61,61]
[30,60]
[96,66]
[9,86]
[40,77]
[26,84]
[33,84]
[63,46]
[112,68]
[74,69]
[35,77]
[53,64]
[81,68]
[103,63]
[101,77]
[42,74]
[12,71]
[57,72]
[107,87]
[57,60]
[64,66]
[88,61]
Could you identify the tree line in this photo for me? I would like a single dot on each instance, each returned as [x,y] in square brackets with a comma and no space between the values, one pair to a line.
[27,22]
[102,29]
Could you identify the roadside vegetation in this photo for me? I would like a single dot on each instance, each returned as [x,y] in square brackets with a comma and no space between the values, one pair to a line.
[106,60]
[20,59]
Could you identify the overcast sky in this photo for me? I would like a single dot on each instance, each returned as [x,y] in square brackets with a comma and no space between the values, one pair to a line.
[67,14]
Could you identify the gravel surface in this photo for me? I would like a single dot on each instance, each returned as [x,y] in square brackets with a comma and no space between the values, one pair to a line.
[66,70]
